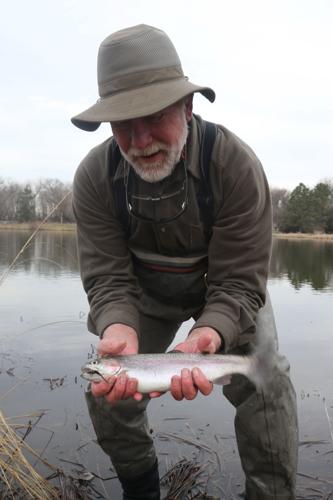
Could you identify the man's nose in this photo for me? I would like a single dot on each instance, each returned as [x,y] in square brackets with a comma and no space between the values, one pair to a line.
[140,134]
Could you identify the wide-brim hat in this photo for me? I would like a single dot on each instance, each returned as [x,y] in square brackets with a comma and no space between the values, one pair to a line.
[139,73]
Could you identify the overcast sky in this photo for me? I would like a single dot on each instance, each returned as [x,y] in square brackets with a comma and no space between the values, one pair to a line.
[269,62]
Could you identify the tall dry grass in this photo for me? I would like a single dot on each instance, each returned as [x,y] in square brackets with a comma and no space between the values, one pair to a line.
[18,478]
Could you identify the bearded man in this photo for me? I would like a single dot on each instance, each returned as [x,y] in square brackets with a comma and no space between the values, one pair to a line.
[168,232]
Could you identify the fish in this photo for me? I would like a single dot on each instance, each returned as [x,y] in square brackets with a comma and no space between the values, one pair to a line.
[154,371]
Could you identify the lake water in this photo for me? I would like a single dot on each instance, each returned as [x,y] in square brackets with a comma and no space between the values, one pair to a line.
[44,342]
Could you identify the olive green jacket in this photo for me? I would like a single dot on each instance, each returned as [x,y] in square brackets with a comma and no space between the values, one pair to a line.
[229,285]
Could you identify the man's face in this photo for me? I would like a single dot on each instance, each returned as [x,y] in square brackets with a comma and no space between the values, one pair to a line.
[153,144]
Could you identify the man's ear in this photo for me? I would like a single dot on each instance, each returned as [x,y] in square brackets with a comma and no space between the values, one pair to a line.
[188,107]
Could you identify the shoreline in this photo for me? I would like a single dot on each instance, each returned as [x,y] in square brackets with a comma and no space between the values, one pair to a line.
[304,236]
[32,226]
[71,226]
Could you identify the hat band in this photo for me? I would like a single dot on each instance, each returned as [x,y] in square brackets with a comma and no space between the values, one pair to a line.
[140,79]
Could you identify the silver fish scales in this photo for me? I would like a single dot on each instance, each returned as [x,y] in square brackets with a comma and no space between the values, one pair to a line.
[154,371]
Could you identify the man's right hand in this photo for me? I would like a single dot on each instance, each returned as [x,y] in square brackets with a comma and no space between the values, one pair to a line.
[117,339]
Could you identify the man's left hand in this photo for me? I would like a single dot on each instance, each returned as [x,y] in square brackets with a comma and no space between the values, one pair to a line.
[200,340]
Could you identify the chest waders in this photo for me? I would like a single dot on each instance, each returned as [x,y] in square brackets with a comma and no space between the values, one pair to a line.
[171,279]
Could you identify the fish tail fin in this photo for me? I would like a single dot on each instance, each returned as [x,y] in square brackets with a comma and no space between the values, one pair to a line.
[224,380]
[262,363]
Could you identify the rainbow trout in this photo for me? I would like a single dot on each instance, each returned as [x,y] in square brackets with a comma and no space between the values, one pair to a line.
[154,371]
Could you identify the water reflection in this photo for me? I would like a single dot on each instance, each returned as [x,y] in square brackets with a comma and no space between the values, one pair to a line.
[43,337]
[303,262]
[50,253]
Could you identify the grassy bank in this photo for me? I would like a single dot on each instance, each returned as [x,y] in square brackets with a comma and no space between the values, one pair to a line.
[56,226]
[304,236]
[31,226]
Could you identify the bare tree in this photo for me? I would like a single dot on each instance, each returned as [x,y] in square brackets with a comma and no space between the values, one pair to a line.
[49,193]
[280,198]
[9,192]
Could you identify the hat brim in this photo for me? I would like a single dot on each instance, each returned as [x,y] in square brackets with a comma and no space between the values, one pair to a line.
[138,102]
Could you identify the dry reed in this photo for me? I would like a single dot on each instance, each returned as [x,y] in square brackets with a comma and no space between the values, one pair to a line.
[17,476]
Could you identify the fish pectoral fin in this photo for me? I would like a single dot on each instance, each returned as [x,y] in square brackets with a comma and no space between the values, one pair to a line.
[224,380]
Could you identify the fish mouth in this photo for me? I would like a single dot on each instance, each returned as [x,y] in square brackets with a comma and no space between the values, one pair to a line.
[90,373]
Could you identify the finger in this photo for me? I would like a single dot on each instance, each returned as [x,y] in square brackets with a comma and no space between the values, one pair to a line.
[118,390]
[187,346]
[188,388]
[155,394]
[138,396]
[131,388]
[204,385]
[176,388]
[102,388]
[108,346]
[205,344]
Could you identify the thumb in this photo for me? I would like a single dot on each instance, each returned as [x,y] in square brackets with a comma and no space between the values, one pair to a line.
[108,346]
[205,344]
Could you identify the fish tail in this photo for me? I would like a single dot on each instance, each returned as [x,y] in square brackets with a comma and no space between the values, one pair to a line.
[262,363]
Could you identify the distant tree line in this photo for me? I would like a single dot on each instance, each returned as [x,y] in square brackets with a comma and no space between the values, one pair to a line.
[302,210]
[33,202]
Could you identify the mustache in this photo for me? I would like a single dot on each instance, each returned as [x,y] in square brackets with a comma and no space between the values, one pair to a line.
[149,150]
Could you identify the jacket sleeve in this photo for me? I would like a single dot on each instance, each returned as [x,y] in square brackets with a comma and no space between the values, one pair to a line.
[240,246]
[105,262]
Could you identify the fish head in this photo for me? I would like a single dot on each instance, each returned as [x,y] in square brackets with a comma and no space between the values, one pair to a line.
[100,369]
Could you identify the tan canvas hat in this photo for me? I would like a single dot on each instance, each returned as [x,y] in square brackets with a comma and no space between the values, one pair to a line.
[139,73]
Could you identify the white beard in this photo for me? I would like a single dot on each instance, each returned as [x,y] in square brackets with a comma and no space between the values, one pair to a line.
[160,169]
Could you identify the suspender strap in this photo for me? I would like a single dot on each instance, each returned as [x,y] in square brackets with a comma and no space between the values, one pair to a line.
[205,195]
[119,189]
